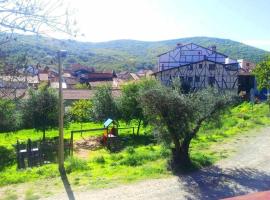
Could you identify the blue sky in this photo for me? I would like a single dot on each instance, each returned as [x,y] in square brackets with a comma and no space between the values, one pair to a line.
[247,21]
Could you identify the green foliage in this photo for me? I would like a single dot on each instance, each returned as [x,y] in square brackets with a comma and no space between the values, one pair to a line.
[104,105]
[82,86]
[262,73]
[178,117]
[40,110]
[129,103]
[75,164]
[9,115]
[99,159]
[149,158]
[80,110]
[122,55]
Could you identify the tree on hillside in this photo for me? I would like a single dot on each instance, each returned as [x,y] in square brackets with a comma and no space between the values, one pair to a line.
[9,116]
[40,110]
[104,105]
[262,73]
[129,102]
[178,117]
[81,111]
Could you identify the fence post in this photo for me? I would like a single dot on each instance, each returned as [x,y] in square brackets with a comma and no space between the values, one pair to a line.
[133,131]
[71,144]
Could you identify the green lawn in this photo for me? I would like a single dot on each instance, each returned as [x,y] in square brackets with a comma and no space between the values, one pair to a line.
[141,157]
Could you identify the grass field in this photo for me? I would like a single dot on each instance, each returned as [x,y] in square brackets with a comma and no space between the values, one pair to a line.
[140,158]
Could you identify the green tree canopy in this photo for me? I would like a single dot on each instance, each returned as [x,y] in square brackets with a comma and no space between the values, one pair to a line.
[81,111]
[262,73]
[129,102]
[9,116]
[40,111]
[178,117]
[104,105]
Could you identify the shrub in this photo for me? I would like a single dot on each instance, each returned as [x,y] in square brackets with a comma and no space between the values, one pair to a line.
[132,160]
[165,152]
[116,157]
[75,164]
[99,159]
[130,150]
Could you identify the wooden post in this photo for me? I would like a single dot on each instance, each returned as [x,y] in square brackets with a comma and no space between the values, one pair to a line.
[71,144]
[61,113]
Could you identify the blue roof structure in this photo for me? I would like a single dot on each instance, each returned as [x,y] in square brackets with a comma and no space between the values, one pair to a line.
[107,123]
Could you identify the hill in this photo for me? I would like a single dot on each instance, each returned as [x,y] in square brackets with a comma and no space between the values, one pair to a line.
[122,54]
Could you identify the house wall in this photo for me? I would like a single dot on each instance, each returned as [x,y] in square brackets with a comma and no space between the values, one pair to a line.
[186,54]
[202,74]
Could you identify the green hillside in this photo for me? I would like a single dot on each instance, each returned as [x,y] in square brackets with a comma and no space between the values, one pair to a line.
[121,54]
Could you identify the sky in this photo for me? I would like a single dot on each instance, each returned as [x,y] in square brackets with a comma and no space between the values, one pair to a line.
[246,21]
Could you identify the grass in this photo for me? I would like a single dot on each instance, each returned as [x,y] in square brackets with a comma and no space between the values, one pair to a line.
[239,120]
[140,158]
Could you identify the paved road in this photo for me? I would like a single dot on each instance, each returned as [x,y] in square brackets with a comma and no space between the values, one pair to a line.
[248,170]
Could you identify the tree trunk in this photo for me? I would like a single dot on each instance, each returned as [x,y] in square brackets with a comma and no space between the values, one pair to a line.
[181,152]
[138,129]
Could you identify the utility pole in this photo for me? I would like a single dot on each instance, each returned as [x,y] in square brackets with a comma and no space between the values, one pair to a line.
[61,54]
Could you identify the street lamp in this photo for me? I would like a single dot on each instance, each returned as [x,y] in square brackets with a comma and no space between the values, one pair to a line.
[61,54]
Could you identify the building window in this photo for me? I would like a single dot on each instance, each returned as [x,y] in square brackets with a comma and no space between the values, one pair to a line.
[197,79]
[200,66]
[212,66]
[211,80]
[190,79]
[190,67]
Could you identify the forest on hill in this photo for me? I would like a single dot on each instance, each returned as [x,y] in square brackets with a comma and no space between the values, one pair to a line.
[120,55]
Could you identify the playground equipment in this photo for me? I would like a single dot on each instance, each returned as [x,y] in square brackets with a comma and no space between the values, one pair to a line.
[110,133]
[110,137]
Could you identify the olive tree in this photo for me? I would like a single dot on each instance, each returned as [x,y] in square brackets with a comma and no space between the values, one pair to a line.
[178,117]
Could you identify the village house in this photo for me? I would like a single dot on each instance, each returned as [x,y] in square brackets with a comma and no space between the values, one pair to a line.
[199,67]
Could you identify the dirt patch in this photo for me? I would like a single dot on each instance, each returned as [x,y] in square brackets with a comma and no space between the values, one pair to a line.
[86,145]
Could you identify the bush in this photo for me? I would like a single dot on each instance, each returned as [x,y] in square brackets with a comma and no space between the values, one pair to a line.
[165,152]
[132,160]
[130,150]
[75,164]
[117,157]
[99,159]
